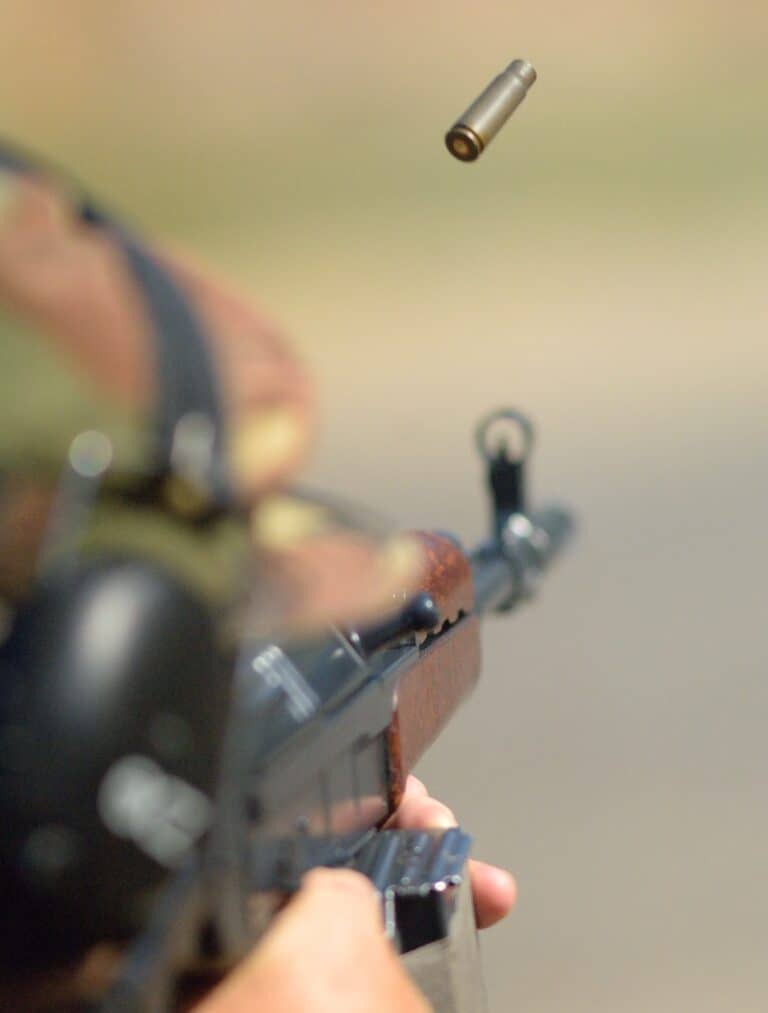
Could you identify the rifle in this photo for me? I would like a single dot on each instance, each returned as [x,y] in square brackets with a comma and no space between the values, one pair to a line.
[129,834]
[321,737]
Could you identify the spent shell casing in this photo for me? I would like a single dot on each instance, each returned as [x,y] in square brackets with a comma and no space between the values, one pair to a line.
[474,130]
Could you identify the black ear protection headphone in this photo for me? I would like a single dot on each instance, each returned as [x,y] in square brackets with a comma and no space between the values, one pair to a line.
[113,683]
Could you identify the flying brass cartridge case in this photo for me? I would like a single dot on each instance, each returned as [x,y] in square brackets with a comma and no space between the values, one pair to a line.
[475,129]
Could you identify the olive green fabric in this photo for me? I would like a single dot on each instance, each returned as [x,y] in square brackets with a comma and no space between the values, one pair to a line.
[210,557]
[44,404]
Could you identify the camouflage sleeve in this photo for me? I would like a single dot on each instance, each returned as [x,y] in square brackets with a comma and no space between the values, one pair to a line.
[65,286]
[77,353]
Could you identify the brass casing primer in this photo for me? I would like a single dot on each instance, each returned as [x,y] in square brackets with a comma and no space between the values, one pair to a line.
[478,125]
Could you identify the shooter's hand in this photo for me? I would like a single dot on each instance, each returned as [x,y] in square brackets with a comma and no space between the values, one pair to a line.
[493,889]
[327,950]
[326,953]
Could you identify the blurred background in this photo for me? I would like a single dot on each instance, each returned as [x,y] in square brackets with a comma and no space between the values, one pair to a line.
[603,266]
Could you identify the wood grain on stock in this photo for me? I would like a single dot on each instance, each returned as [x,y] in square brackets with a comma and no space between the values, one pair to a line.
[429,693]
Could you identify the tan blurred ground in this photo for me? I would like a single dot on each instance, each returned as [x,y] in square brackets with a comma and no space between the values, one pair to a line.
[604,267]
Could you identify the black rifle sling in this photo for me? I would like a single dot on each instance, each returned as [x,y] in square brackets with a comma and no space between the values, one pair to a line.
[187,385]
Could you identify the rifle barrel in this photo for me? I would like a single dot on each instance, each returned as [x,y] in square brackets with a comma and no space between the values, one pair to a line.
[504,573]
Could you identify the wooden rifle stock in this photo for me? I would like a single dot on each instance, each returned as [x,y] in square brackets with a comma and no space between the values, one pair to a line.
[429,692]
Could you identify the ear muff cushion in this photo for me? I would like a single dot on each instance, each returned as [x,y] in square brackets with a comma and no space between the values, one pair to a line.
[113,699]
